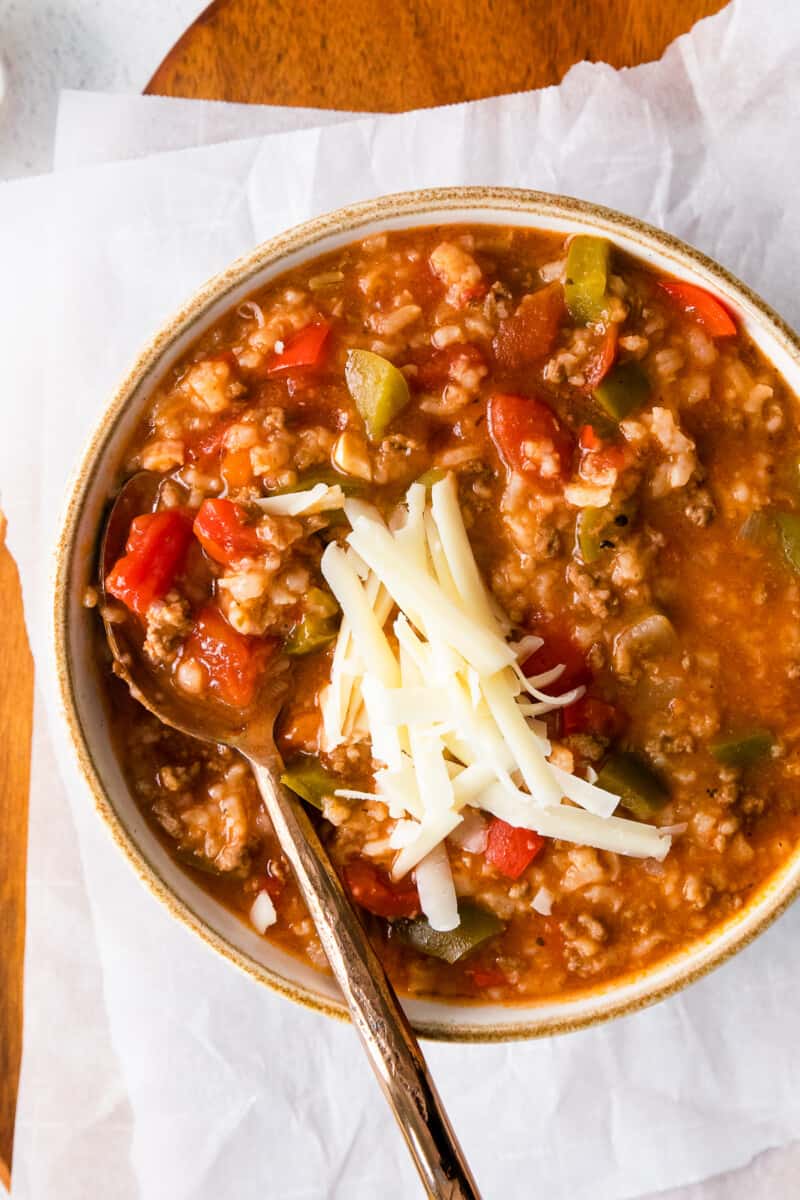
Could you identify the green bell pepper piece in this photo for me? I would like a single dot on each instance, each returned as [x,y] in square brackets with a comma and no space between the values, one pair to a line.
[309,780]
[742,750]
[585,289]
[624,389]
[322,601]
[317,627]
[589,528]
[595,528]
[639,789]
[310,634]
[378,388]
[476,927]
[789,531]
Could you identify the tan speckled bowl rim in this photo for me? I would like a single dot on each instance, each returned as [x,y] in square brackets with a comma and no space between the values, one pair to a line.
[429,206]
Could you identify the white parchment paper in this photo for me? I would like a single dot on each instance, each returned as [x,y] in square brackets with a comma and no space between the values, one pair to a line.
[95,127]
[132,1025]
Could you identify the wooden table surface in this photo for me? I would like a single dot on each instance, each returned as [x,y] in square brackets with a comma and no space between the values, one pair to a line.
[391,55]
[348,54]
[16,705]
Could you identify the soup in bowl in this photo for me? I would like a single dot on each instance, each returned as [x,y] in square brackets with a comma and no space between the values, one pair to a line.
[505,488]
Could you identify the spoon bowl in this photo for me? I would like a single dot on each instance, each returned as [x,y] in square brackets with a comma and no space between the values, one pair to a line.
[250,730]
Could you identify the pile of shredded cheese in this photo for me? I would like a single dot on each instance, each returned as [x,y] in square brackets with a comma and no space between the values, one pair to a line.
[441,696]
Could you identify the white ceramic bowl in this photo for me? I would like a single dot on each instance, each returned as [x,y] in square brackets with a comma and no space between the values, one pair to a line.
[78,671]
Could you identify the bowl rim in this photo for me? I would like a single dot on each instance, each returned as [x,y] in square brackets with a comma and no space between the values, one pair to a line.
[304,238]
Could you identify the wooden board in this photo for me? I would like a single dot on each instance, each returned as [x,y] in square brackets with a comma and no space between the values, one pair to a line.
[16,706]
[391,55]
[351,54]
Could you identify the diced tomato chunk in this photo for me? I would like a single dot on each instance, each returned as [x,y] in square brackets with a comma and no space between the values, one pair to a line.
[530,439]
[512,850]
[528,336]
[558,649]
[302,350]
[434,366]
[374,890]
[154,554]
[233,662]
[603,361]
[486,977]
[222,531]
[700,304]
[590,715]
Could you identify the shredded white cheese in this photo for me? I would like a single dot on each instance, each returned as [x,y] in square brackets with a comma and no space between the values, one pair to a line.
[458,552]
[526,646]
[366,630]
[417,591]
[430,834]
[437,893]
[319,498]
[399,789]
[441,697]
[594,799]
[501,696]
[575,825]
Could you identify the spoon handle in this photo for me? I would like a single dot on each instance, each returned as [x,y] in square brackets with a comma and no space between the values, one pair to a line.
[384,1030]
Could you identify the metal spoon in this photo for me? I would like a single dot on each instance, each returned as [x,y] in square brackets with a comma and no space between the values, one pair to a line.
[385,1033]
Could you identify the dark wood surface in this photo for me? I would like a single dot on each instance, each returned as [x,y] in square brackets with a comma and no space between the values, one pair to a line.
[391,55]
[16,706]
[368,55]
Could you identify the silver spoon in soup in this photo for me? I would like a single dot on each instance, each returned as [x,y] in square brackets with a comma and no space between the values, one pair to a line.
[385,1033]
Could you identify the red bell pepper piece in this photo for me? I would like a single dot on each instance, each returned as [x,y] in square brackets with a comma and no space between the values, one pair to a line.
[528,336]
[233,662]
[154,554]
[603,361]
[512,850]
[530,439]
[590,715]
[373,890]
[558,649]
[302,350]
[221,530]
[589,438]
[705,308]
